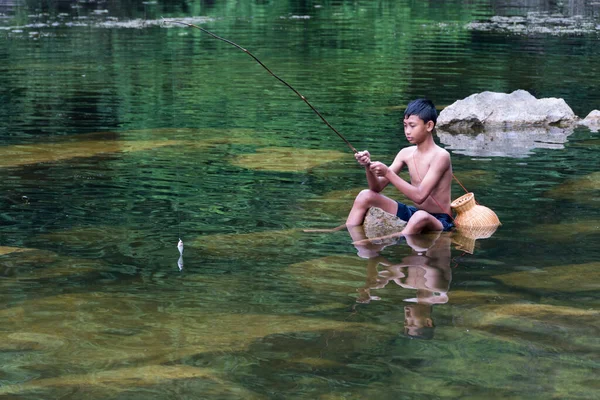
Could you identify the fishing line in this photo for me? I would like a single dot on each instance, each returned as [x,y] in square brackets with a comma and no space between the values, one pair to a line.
[173,75]
[272,74]
[177,208]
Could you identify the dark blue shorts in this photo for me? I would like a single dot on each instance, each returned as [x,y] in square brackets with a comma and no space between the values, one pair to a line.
[405,212]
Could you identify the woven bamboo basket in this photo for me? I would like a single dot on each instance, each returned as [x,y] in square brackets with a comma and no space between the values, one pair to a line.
[469,214]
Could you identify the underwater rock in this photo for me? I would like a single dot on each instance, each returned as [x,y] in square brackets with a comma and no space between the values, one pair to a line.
[485,110]
[582,189]
[26,154]
[30,340]
[381,223]
[121,330]
[286,159]
[118,378]
[200,138]
[548,319]
[592,121]
[8,250]
[31,264]
[319,363]
[565,278]
[566,230]
[339,276]
[472,298]
[128,242]
[500,142]
[537,327]
[259,244]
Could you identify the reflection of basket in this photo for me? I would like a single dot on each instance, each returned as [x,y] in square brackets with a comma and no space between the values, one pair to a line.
[469,214]
[465,237]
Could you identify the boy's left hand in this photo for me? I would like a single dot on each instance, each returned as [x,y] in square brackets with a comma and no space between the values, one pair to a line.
[379,169]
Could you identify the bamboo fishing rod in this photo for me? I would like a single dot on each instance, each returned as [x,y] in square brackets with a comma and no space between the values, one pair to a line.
[288,85]
[272,74]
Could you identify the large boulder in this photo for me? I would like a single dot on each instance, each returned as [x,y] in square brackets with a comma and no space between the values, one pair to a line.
[592,121]
[481,111]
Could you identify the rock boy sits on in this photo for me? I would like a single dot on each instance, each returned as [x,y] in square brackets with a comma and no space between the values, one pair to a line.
[430,172]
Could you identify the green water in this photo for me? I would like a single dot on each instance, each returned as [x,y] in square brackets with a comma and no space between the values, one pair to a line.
[119,135]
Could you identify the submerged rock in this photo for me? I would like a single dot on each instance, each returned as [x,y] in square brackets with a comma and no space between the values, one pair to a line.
[286,159]
[26,154]
[119,378]
[485,110]
[567,278]
[380,223]
[540,326]
[121,330]
[338,276]
[582,189]
[8,250]
[566,230]
[476,298]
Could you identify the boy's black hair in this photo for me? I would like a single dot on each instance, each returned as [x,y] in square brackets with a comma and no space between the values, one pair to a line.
[423,109]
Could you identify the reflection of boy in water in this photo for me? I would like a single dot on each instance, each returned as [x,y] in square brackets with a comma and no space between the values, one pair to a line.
[427,270]
[417,321]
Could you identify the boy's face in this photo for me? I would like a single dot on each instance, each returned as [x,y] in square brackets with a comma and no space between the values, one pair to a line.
[416,130]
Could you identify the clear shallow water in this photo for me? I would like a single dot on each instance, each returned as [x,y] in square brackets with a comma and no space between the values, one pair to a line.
[123,139]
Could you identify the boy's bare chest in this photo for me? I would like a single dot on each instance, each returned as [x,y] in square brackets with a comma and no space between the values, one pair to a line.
[418,168]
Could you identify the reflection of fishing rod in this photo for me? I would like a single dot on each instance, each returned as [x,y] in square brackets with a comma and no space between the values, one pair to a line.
[270,72]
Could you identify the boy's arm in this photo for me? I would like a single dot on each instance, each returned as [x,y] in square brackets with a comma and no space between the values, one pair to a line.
[378,183]
[419,194]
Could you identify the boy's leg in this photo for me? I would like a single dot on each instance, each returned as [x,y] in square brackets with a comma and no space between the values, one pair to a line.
[365,200]
[422,221]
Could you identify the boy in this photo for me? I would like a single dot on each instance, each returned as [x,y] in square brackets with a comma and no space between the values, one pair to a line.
[430,172]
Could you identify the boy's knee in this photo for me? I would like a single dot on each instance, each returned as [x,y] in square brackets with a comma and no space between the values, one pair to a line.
[366,196]
[422,221]
[420,215]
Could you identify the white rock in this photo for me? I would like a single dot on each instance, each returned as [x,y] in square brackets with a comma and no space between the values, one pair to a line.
[592,121]
[481,111]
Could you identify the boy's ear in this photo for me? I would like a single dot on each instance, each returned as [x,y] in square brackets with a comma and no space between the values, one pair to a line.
[430,125]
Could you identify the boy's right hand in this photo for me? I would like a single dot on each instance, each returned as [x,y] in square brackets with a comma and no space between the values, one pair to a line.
[363,158]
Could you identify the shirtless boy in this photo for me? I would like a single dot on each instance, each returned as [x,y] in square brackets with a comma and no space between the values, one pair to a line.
[430,172]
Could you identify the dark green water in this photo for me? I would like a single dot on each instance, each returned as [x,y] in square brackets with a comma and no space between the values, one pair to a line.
[118,135]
